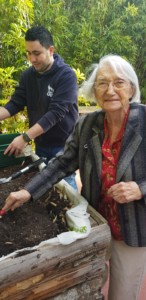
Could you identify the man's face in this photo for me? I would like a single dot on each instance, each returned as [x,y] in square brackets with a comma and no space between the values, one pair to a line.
[40,57]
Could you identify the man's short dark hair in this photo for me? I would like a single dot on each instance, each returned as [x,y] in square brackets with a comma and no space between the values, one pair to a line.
[41,34]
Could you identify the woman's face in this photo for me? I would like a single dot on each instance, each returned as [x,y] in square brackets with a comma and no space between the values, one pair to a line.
[112,90]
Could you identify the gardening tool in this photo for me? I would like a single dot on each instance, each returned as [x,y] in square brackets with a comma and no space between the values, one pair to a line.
[22,171]
[41,166]
[27,151]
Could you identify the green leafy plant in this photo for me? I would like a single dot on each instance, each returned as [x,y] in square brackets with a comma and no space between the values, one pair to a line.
[18,123]
[82,229]
[80,75]
[80,78]
[7,83]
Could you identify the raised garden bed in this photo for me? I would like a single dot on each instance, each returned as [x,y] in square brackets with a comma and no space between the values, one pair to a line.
[53,270]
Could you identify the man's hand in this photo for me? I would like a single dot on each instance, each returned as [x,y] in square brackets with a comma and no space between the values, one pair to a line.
[16,146]
[16,199]
[124,192]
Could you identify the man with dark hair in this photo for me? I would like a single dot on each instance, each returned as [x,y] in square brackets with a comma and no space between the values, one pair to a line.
[41,34]
[49,91]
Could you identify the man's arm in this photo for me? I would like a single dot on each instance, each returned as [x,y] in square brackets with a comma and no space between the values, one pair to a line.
[4,114]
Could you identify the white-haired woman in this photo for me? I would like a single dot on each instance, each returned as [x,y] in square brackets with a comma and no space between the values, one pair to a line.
[108,146]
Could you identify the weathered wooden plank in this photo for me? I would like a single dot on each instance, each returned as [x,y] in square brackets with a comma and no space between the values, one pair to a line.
[38,286]
[96,216]
[50,257]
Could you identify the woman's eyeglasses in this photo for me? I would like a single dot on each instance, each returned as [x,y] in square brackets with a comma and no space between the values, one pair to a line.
[117,84]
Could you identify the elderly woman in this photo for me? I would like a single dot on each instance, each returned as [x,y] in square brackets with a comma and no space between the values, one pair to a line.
[108,146]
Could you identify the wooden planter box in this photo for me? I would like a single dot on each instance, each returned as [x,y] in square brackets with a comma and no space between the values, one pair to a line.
[73,271]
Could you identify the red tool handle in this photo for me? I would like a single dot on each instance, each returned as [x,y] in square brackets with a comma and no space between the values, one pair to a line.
[2,212]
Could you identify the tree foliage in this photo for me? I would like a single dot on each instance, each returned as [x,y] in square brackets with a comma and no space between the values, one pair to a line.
[15,17]
[86,30]
[83,31]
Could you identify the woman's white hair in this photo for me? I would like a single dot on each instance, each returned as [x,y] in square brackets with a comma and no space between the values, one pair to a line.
[121,67]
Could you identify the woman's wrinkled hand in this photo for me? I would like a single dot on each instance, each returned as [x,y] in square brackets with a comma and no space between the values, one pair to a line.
[16,199]
[124,192]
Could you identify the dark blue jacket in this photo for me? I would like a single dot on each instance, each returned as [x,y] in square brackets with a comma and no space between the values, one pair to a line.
[51,101]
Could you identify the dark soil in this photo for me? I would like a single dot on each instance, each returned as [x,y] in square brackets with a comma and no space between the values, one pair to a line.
[33,222]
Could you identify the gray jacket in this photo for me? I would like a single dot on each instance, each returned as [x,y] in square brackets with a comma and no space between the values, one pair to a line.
[83,151]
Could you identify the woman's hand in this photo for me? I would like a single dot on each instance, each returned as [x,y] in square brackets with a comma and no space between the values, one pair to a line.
[16,199]
[124,192]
